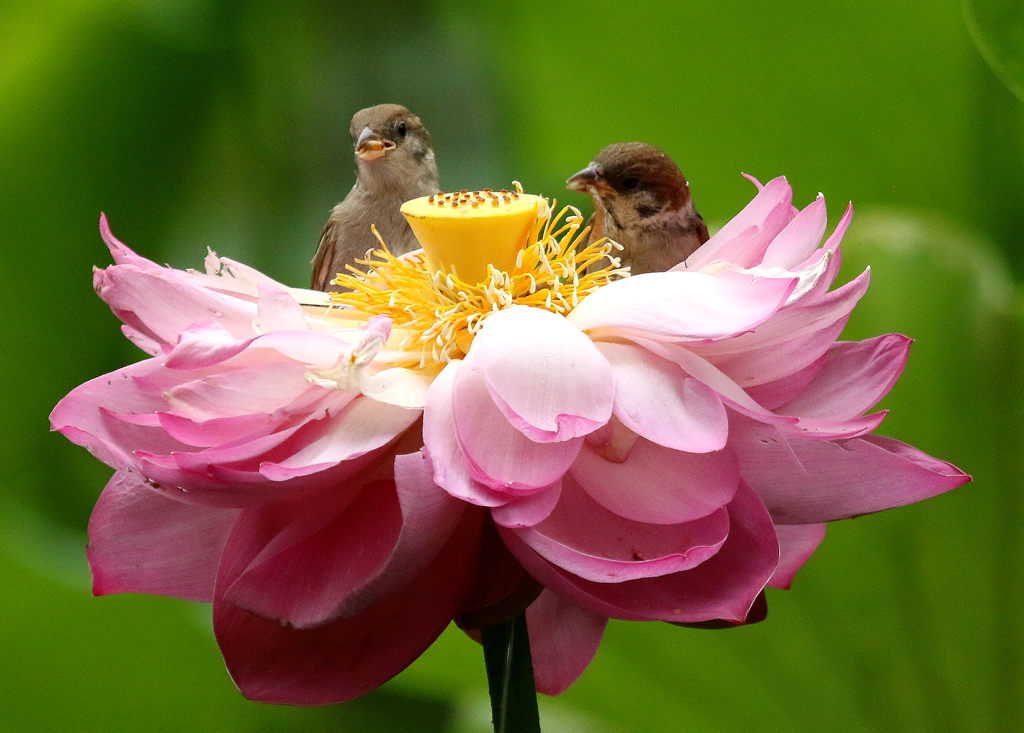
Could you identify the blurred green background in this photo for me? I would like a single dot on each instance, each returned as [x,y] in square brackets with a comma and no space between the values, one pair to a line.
[223,124]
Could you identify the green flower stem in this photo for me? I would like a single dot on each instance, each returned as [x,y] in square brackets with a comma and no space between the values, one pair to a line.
[510,676]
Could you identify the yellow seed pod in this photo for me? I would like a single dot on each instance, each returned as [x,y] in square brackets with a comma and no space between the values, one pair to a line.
[464,232]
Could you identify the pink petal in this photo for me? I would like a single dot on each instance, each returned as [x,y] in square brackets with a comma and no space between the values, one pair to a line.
[499,455]
[800,239]
[832,246]
[563,641]
[141,541]
[854,377]
[681,305]
[441,448]
[797,542]
[656,400]
[812,481]
[744,239]
[658,485]
[351,655]
[790,341]
[528,510]
[723,587]
[607,548]
[544,374]
[158,304]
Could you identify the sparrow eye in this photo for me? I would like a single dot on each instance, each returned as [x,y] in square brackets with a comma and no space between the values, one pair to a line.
[630,183]
[401,129]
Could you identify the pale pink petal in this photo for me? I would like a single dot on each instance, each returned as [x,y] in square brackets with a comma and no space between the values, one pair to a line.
[854,377]
[203,346]
[800,239]
[563,641]
[658,485]
[141,541]
[350,655]
[544,374]
[812,481]
[441,448]
[499,455]
[362,426]
[681,305]
[744,239]
[655,399]
[607,548]
[263,387]
[277,310]
[723,587]
[797,542]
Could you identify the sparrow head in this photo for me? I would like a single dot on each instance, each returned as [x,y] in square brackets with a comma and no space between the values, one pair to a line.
[391,146]
[631,183]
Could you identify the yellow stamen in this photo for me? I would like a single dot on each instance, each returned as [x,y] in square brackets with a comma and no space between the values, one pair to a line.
[436,312]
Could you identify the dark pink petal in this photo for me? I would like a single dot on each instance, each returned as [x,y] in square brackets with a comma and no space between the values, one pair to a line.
[797,542]
[441,448]
[723,587]
[655,399]
[812,481]
[499,455]
[141,541]
[429,517]
[744,239]
[563,641]
[658,485]
[800,239]
[681,305]
[591,543]
[351,655]
[544,374]
[853,378]
[297,562]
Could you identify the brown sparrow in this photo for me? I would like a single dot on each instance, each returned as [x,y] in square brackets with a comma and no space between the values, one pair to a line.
[642,201]
[394,163]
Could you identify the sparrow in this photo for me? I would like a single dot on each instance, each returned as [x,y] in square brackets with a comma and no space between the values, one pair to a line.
[394,163]
[642,201]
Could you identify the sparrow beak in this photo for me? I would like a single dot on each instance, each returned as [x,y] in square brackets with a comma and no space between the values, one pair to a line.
[371,146]
[589,181]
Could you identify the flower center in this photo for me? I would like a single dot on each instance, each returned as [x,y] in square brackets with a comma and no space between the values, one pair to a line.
[483,251]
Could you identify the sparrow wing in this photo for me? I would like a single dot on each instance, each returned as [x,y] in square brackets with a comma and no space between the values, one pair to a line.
[323,271]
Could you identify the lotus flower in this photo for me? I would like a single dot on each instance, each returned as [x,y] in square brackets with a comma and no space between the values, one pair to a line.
[661,447]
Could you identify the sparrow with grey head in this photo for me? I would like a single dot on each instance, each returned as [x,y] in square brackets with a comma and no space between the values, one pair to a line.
[642,201]
[394,163]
